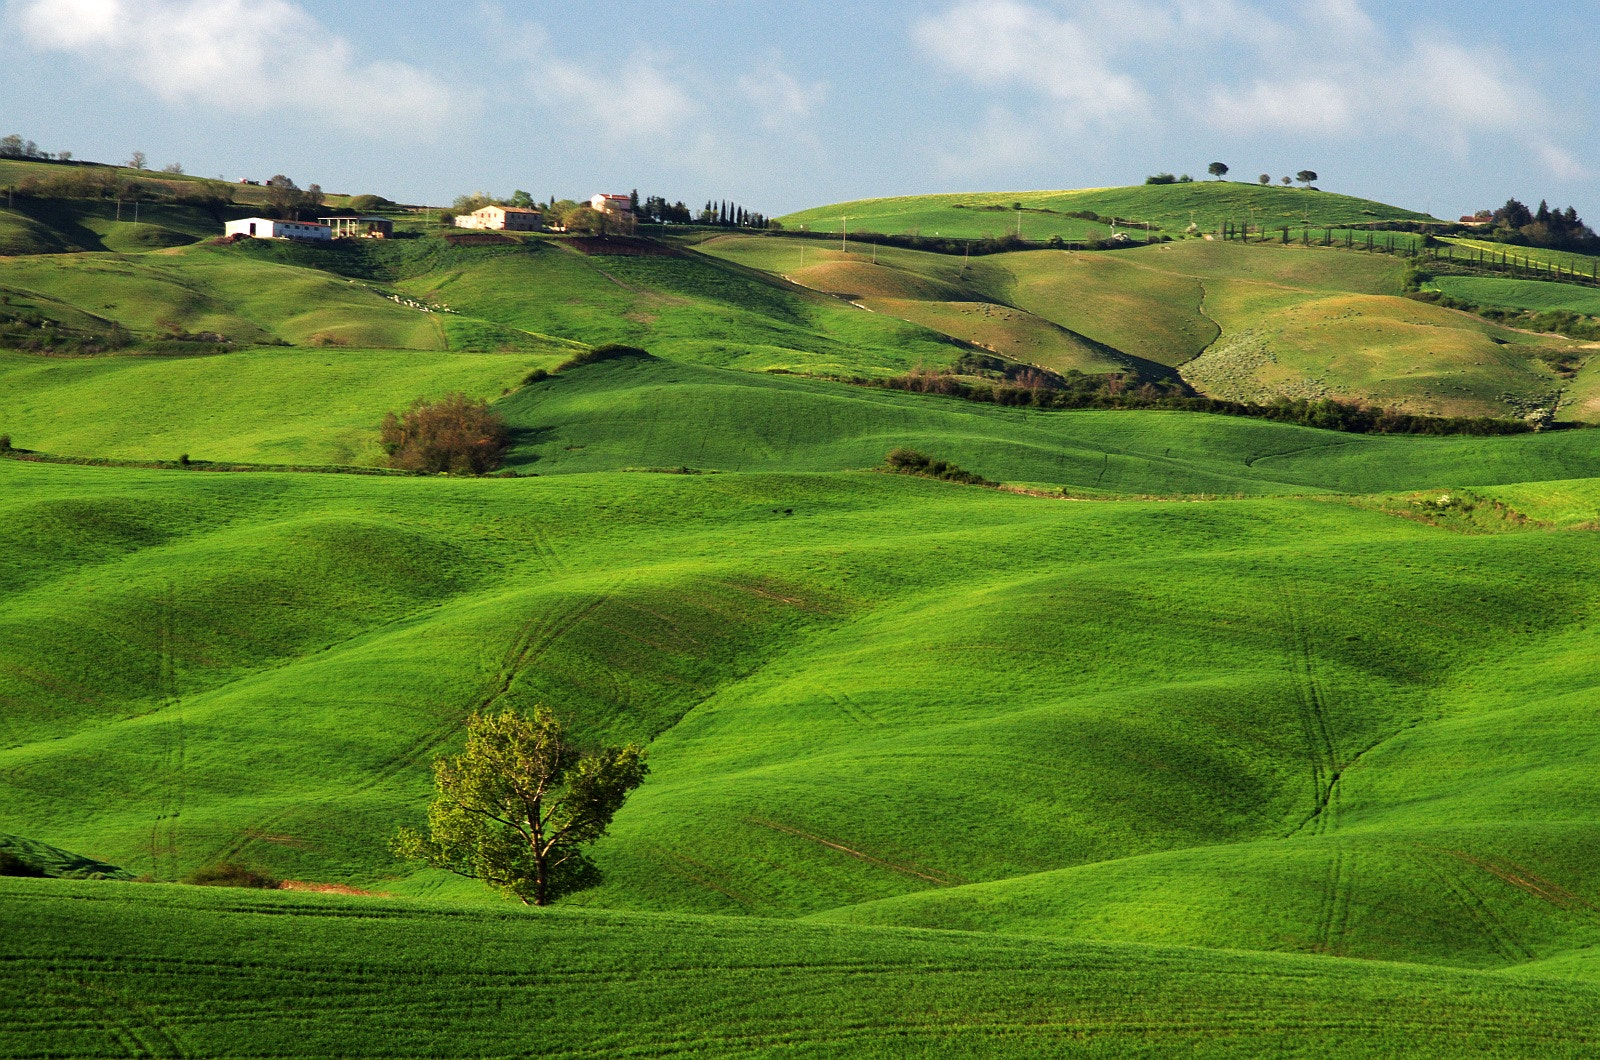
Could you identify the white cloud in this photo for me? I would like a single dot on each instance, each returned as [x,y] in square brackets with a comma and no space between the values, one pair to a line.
[780,100]
[1004,43]
[240,55]
[639,103]
[1323,68]
[1315,106]
[1002,142]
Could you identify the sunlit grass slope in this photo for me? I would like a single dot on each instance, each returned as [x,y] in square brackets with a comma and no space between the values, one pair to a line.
[1247,323]
[689,306]
[1170,208]
[997,711]
[120,968]
[966,301]
[1539,296]
[648,413]
[270,405]
[208,290]
[56,226]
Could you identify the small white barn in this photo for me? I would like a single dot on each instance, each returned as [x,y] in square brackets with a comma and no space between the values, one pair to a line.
[271,228]
[612,204]
[501,219]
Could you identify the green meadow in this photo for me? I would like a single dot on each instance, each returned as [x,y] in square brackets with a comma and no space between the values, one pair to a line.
[200,973]
[1539,296]
[1168,208]
[1246,323]
[1202,735]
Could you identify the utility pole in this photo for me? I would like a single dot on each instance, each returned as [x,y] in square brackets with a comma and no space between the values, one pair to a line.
[844,236]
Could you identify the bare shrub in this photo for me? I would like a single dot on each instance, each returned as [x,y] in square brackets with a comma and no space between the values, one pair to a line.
[455,434]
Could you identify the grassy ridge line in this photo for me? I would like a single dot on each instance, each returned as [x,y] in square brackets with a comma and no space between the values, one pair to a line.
[1170,207]
[655,413]
[311,975]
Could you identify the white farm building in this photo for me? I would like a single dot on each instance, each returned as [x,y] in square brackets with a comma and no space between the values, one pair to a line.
[270,228]
[611,204]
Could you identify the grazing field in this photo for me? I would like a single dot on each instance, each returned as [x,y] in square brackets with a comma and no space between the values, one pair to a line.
[648,413]
[1247,323]
[1539,296]
[271,405]
[1201,736]
[1531,257]
[209,290]
[1169,208]
[116,969]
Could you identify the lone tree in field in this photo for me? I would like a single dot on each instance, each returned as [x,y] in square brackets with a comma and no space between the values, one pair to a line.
[455,434]
[1265,178]
[1217,169]
[1307,177]
[514,808]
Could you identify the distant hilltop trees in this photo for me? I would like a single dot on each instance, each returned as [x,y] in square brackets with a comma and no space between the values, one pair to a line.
[1219,170]
[1515,223]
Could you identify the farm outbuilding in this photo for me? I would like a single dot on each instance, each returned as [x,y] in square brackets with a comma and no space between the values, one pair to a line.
[272,228]
[360,227]
[501,219]
[612,204]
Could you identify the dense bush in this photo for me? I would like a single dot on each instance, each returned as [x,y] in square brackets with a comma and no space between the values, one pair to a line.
[455,434]
[229,874]
[910,462]
[1027,387]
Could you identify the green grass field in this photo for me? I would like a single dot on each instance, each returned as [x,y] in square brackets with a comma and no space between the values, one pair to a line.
[1538,296]
[315,976]
[1168,208]
[1210,736]
[1537,258]
[1246,323]
[271,405]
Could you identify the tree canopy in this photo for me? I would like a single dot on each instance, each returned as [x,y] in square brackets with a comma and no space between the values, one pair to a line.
[455,434]
[1514,222]
[516,806]
[1217,169]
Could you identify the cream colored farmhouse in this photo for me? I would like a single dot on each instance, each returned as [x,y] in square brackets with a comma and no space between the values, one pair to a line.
[501,218]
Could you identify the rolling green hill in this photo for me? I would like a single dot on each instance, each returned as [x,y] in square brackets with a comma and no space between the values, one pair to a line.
[1246,323]
[163,972]
[1169,208]
[1207,736]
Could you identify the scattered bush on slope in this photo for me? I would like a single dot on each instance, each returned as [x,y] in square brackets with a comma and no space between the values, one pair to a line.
[456,434]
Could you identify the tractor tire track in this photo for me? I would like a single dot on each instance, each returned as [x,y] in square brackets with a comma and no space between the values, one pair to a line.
[1312,708]
[943,880]
[533,639]
[1478,911]
[852,710]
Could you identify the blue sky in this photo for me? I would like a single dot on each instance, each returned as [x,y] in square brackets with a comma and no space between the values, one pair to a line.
[1445,107]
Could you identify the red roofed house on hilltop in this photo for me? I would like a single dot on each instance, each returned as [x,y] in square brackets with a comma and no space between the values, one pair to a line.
[612,204]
